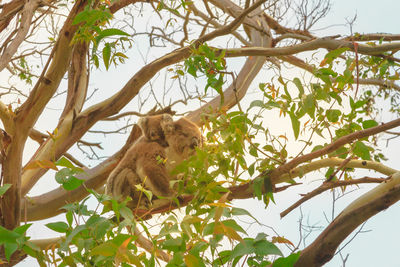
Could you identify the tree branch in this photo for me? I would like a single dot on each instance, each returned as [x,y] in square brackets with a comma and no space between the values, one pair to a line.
[51,76]
[329,185]
[376,200]
[332,162]
[6,118]
[48,205]
[24,25]
[77,81]
[327,43]
[285,168]
[9,10]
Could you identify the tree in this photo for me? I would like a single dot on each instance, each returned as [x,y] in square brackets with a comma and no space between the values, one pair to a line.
[331,102]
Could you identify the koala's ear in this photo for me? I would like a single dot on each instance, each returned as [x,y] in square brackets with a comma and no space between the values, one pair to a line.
[166,118]
[167,124]
[142,123]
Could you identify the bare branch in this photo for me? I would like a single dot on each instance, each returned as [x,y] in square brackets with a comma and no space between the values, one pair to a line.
[327,43]
[9,10]
[329,185]
[77,81]
[26,18]
[51,77]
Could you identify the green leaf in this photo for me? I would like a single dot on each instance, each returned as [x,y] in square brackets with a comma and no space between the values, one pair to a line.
[309,105]
[95,59]
[299,86]
[209,229]
[243,248]
[65,163]
[289,261]
[67,180]
[234,225]
[106,249]
[250,169]
[22,228]
[7,236]
[239,212]
[107,55]
[73,183]
[4,188]
[361,150]
[369,124]
[295,125]
[256,103]
[60,227]
[80,17]
[265,248]
[65,245]
[174,244]
[258,184]
[333,115]
[9,249]
[224,257]
[384,68]
[334,54]
[193,261]
[69,216]
[111,32]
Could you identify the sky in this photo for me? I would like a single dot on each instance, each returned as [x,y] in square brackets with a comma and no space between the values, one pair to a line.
[366,249]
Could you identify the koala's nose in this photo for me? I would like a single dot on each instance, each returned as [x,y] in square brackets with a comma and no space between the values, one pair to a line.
[194,143]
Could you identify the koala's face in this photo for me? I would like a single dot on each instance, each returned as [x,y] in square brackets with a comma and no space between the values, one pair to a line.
[183,136]
[152,127]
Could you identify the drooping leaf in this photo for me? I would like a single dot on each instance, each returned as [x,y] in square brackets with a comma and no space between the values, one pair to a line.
[309,105]
[9,249]
[299,86]
[60,227]
[111,32]
[107,55]
[295,125]
[256,103]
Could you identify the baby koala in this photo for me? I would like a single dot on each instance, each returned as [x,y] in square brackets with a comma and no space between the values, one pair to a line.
[152,127]
[141,163]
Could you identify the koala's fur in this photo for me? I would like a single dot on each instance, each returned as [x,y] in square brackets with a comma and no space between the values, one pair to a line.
[151,127]
[141,164]
[182,136]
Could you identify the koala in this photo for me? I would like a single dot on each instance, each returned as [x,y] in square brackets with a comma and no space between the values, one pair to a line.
[182,136]
[142,165]
[151,127]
